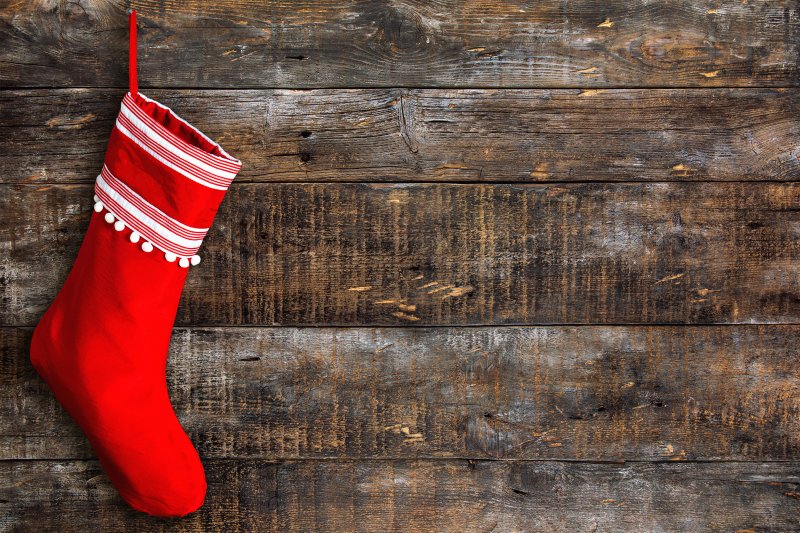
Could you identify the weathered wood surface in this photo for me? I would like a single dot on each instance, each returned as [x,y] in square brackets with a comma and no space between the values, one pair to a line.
[436,428]
[585,393]
[312,43]
[415,495]
[432,135]
[360,254]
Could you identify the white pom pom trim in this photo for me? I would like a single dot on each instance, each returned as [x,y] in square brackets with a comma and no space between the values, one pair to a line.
[135,237]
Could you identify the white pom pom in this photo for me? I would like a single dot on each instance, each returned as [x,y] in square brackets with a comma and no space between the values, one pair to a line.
[169,256]
[195,260]
[135,237]
[184,262]
[96,199]
[119,225]
[147,247]
[98,206]
[109,218]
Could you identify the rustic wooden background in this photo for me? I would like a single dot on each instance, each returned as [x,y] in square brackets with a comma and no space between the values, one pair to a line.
[553,247]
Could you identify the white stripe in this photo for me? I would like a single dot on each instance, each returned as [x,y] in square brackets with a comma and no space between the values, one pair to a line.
[230,159]
[155,136]
[151,206]
[147,149]
[144,219]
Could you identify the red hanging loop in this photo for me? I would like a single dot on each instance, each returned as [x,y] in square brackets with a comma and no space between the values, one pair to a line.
[132,79]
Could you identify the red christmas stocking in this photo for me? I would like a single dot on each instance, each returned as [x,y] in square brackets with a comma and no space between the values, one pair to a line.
[102,344]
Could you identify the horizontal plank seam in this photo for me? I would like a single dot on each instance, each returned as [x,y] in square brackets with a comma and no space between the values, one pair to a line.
[408,87]
[439,182]
[474,326]
[345,459]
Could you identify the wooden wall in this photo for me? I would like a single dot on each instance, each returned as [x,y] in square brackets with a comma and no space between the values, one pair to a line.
[489,266]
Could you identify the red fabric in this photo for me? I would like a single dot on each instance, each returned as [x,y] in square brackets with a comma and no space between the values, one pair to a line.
[133,81]
[176,126]
[102,344]
[165,188]
[101,347]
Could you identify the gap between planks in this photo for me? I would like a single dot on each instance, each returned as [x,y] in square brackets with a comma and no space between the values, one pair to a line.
[246,181]
[377,325]
[426,459]
[408,87]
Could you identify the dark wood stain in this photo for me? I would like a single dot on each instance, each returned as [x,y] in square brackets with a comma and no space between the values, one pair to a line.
[407,43]
[602,393]
[445,254]
[380,135]
[489,266]
[423,495]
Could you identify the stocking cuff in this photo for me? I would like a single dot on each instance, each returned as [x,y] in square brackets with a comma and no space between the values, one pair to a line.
[162,178]
[169,139]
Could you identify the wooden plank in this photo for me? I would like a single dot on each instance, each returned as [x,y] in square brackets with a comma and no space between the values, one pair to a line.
[312,43]
[440,496]
[585,393]
[432,135]
[444,254]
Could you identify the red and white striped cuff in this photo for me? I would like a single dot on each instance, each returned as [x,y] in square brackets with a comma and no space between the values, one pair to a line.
[213,170]
[126,209]
[165,232]
[162,179]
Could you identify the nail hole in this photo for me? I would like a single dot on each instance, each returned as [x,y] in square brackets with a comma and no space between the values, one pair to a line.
[305,134]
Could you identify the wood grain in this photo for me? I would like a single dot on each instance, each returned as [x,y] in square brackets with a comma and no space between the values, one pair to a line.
[576,393]
[381,135]
[361,254]
[407,43]
[535,178]
[414,495]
